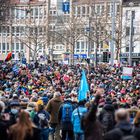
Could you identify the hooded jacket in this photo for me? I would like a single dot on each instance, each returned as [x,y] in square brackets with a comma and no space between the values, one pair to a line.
[53,108]
[123,128]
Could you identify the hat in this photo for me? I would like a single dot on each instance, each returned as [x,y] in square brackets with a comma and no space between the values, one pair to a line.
[14,103]
[44,99]
[39,102]
[31,106]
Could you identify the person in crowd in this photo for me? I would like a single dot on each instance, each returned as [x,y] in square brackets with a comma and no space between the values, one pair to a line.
[32,108]
[45,129]
[4,122]
[41,114]
[18,89]
[14,111]
[77,116]
[65,115]
[137,120]
[123,126]
[53,108]
[24,129]
[106,116]
[90,124]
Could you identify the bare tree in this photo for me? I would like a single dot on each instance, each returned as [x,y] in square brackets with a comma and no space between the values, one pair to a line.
[67,32]
[97,29]
[32,32]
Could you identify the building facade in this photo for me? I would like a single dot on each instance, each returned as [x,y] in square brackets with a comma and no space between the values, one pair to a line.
[24,33]
[88,37]
[131,20]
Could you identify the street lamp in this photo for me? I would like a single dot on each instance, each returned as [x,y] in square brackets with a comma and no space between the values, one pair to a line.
[131,4]
[113,32]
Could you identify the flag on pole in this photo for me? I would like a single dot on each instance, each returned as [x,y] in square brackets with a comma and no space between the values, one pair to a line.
[8,57]
[84,88]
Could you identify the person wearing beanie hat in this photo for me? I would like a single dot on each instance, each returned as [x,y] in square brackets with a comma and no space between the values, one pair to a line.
[64,117]
[14,110]
[40,102]
[41,114]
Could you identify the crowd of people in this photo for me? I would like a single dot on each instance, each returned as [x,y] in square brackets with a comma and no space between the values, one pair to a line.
[40,102]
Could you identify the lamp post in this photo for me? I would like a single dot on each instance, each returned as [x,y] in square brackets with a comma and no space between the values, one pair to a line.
[131,4]
[113,32]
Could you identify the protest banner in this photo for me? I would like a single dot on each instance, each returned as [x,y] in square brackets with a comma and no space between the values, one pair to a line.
[127,73]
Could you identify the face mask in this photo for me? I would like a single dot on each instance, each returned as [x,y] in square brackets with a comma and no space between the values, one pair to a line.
[14,111]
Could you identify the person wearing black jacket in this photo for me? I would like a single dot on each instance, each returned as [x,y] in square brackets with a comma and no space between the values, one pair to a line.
[123,127]
[4,122]
[91,126]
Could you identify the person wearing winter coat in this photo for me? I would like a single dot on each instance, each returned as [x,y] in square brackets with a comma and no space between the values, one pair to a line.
[90,124]
[53,108]
[77,116]
[106,116]
[24,129]
[123,126]
[14,111]
[4,122]
[41,114]
[65,115]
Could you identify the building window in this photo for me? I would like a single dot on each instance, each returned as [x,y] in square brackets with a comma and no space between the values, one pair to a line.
[36,12]
[127,31]
[98,10]
[102,9]
[82,45]
[17,46]
[127,49]
[3,47]
[79,10]
[78,45]
[22,46]
[74,10]
[87,10]
[50,12]
[118,8]
[108,9]
[8,46]
[92,10]
[17,31]
[83,10]
[127,14]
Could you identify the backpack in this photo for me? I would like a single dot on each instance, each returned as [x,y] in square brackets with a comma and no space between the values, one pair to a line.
[67,112]
[107,121]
